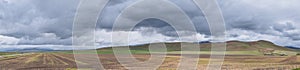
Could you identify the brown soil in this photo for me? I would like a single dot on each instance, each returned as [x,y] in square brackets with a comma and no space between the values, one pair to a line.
[37,62]
[55,61]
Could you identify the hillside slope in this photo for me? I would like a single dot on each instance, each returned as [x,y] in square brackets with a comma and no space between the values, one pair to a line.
[230,46]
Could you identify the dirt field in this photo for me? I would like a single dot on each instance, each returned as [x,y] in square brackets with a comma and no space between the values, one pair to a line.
[54,61]
[38,62]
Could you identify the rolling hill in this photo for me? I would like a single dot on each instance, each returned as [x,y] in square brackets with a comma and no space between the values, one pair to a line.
[206,46]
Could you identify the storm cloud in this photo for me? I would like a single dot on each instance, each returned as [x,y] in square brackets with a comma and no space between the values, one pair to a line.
[49,22]
[38,22]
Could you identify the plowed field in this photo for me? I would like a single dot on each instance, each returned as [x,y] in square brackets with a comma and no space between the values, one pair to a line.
[57,61]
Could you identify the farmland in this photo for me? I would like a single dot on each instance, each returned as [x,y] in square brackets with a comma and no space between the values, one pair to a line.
[239,56]
[37,61]
[60,61]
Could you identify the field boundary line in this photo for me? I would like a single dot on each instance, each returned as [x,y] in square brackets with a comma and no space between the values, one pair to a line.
[70,59]
[59,60]
[34,58]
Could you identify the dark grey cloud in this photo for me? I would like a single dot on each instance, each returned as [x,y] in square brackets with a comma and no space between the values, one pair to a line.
[30,20]
[40,22]
[113,10]
[265,17]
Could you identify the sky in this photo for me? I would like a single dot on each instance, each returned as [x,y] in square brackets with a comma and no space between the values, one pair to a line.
[48,23]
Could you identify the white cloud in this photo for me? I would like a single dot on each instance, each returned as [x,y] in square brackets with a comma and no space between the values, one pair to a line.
[6,40]
[246,35]
[104,38]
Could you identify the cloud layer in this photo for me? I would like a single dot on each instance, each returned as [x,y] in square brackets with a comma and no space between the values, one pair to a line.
[49,22]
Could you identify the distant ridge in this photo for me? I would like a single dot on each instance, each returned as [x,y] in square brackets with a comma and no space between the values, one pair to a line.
[206,46]
[34,49]
[292,47]
[204,42]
